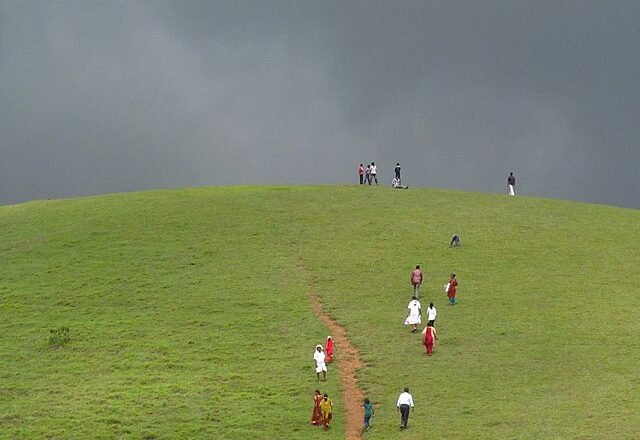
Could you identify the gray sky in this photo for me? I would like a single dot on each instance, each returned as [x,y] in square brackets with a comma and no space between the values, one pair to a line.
[108,96]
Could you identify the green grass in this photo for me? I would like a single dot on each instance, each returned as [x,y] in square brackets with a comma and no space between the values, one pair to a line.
[189,315]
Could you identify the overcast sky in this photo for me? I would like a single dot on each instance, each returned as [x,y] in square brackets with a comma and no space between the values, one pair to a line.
[110,96]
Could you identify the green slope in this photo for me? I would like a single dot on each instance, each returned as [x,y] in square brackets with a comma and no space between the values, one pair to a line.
[189,315]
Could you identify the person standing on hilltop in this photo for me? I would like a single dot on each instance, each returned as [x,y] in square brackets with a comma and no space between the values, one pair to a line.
[374,173]
[396,171]
[367,175]
[511,182]
[361,173]
[416,280]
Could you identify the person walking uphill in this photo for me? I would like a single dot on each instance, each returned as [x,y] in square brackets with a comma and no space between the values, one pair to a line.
[327,411]
[316,417]
[368,413]
[405,403]
[328,350]
[429,337]
[414,314]
[321,366]
[432,313]
[416,280]
[452,288]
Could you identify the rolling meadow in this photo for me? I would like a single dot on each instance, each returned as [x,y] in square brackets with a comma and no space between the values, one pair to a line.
[189,317]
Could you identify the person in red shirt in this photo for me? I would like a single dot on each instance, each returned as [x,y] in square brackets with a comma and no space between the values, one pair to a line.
[451,290]
[328,349]
[416,280]
[316,417]
[361,174]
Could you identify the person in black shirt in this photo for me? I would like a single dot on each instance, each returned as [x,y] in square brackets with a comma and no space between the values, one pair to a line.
[511,181]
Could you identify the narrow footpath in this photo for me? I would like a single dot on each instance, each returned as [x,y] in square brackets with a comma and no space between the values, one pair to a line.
[348,362]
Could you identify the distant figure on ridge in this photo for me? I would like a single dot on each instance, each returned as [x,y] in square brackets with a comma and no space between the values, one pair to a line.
[455,240]
[361,173]
[416,280]
[374,173]
[511,181]
[321,366]
[414,314]
[395,182]
[367,175]
[396,171]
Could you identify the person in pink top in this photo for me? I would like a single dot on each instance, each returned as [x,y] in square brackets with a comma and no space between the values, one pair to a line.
[416,280]
[361,174]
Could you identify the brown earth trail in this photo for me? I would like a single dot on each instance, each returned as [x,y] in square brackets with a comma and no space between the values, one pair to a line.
[348,362]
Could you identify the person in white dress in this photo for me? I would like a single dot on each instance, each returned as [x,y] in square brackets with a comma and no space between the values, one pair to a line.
[321,366]
[414,314]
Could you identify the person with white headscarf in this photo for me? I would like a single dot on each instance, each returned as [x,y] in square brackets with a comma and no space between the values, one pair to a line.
[321,366]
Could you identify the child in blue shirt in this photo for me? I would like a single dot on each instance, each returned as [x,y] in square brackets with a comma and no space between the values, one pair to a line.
[368,413]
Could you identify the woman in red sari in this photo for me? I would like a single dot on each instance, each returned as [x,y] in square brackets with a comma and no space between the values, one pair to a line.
[429,337]
[451,289]
[328,349]
[316,417]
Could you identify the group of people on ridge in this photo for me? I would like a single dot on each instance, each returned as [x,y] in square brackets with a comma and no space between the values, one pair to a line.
[370,174]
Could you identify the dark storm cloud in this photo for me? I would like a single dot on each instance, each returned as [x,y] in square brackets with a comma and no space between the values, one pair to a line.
[116,96]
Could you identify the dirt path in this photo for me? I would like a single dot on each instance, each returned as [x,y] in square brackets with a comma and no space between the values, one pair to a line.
[348,362]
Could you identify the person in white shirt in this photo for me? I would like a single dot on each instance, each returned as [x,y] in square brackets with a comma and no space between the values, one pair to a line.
[321,366]
[405,401]
[414,314]
[395,182]
[373,173]
[431,314]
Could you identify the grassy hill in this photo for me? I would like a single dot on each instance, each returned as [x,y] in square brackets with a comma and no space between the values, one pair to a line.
[189,315]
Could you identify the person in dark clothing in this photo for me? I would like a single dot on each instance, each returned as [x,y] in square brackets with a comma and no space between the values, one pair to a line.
[511,182]
[455,240]
[397,172]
